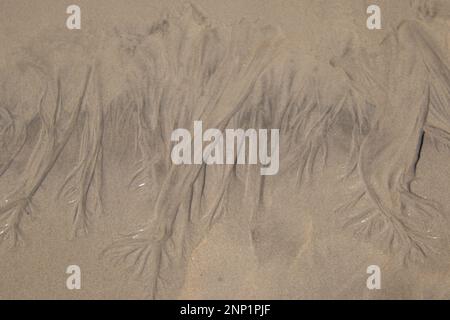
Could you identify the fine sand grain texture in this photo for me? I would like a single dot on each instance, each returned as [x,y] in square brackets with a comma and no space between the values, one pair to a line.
[87,177]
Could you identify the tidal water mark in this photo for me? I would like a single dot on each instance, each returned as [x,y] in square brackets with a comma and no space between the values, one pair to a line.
[235,146]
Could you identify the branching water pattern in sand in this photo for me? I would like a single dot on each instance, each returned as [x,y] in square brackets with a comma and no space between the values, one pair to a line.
[183,69]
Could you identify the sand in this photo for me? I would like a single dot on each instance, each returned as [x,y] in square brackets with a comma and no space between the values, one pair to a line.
[86,176]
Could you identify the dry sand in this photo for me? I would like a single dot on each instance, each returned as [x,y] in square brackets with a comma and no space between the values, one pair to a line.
[360,183]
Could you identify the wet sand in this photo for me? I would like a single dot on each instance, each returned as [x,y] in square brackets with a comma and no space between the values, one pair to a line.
[270,237]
